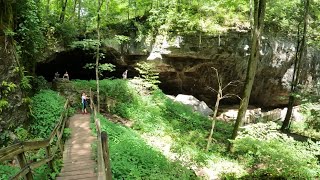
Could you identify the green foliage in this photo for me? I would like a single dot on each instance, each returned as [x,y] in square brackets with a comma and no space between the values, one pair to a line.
[102,67]
[7,171]
[39,83]
[67,32]
[46,108]
[272,154]
[121,39]
[149,74]
[22,133]
[5,89]
[4,138]
[86,44]
[310,125]
[66,133]
[29,32]
[132,158]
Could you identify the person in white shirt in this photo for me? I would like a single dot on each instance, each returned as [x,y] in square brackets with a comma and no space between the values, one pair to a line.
[84,103]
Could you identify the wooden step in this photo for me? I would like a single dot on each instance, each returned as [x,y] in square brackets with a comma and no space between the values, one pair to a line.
[77,157]
[76,172]
[78,163]
[79,167]
[78,177]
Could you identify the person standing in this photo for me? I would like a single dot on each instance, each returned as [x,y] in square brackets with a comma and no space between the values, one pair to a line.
[84,103]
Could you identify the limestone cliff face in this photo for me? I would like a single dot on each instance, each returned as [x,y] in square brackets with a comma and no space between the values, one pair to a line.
[13,111]
[185,62]
[185,65]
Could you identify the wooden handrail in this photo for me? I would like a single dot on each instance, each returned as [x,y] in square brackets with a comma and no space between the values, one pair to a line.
[18,150]
[104,168]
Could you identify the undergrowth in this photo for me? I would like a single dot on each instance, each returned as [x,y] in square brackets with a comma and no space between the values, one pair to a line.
[132,158]
[46,108]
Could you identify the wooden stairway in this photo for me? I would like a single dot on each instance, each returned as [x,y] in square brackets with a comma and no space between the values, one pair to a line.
[77,155]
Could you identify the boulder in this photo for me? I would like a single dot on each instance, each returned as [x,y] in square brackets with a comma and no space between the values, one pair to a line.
[198,106]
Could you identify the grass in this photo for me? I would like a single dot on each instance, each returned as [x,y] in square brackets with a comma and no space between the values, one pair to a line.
[133,158]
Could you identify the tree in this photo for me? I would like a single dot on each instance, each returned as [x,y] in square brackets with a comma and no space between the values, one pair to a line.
[300,54]
[100,2]
[259,13]
[63,10]
[220,96]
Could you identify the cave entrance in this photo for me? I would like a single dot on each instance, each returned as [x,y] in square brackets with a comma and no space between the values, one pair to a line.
[73,61]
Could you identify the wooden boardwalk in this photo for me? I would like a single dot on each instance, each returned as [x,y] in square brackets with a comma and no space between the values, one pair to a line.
[77,155]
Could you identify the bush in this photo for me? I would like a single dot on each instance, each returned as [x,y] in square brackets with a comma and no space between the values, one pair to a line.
[7,171]
[272,154]
[39,83]
[46,108]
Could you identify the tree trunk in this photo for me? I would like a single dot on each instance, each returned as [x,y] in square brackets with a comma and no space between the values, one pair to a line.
[79,11]
[301,53]
[259,12]
[48,8]
[98,55]
[74,7]
[63,10]
[107,7]
[216,106]
[251,17]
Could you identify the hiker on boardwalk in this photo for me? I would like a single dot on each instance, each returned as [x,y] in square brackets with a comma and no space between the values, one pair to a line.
[84,102]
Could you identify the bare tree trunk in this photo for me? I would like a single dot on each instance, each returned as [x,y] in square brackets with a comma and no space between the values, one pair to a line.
[75,6]
[259,12]
[107,8]
[251,17]
[216,107]
[79,11]
[297,68]
[129,9]
[98,55]
[63,10]
[48,8]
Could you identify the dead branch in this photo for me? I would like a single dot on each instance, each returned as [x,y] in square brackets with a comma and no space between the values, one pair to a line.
[231,95]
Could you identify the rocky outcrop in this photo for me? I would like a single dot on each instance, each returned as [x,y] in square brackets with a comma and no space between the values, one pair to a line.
[185,65]
[199,106]
[13,110]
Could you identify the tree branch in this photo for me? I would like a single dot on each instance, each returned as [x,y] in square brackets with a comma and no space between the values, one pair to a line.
[211,89]
[232,83]
[230,95]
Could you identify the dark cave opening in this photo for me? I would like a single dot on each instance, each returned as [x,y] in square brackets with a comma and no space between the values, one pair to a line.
[73,62]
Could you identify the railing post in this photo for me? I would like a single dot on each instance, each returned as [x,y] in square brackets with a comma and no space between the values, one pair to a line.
[106,157]
[22,163]
[48,152]
[59,143]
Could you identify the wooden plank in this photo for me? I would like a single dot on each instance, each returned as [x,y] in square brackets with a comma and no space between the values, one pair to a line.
[23,163]
[61,118]
[9,149]
[106,156]
[35,145]
[37,164]
[12,154]
[22,173]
